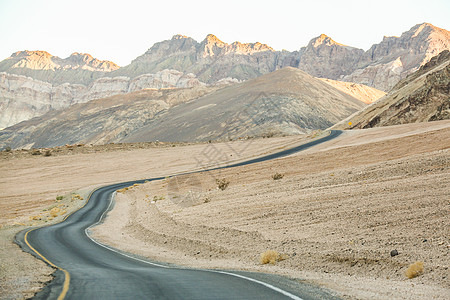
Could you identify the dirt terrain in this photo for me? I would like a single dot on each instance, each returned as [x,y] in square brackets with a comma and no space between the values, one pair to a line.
[337,213]
[31,181]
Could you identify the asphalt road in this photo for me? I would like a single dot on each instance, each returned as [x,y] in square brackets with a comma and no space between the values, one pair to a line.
[89,270]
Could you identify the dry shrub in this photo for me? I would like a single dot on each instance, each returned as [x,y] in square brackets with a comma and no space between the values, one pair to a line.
[414,270]
[277,176]
[272,256]
[222,184]
[35,152]
[77,196]
[54,212]
[48,153]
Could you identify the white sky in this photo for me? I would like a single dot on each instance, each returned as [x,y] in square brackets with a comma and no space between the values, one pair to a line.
[122,30]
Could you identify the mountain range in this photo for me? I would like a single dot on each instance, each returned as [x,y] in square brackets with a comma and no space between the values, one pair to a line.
[51,82]
[212,60]
[33,83]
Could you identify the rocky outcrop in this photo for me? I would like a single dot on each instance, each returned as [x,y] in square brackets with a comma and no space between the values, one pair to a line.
[421,97]
[384,64]
[98,121]
[210,60]
[324,57]
[23,98]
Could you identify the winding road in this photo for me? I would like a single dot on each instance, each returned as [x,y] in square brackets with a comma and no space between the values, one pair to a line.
[87,269]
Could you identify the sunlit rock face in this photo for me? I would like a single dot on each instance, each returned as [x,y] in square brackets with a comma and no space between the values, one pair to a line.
[22,98]
[422,96]
[384,64]
[323,57]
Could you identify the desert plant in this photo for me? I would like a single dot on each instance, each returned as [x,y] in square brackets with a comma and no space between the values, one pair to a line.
[35,152]
[48,153]
[157,198]
[222,184]
[7,149]
[414,270]
[271,256]
[55,211]
[59,197]
[277,176]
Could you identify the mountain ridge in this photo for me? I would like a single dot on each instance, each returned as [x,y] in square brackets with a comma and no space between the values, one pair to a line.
[211,60]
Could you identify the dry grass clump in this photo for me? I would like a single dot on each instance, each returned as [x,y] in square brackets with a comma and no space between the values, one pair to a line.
[272,257]
[54,212]
[414,270]
[77,197]
[222,184]
[277,176]
[35,152]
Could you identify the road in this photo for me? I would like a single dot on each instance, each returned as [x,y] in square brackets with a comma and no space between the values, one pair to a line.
[89,270]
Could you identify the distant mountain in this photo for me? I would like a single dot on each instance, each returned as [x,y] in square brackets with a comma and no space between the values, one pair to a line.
[184,62]
[77,68]
[422,96]
[288,101]
[210,60]
[22,98]
[98,121]
[384,64]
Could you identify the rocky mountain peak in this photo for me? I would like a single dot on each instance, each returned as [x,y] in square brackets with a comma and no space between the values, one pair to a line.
[179,37]
[323,39]
[87,62]
[211,46]
[212,39]
[27,53]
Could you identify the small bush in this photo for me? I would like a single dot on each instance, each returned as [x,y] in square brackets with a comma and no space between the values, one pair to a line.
[35,152]
[7,149]
[157,198]
[414,270]
[59,197]
[271,256]
[277,176]
[54,212]
[222,184]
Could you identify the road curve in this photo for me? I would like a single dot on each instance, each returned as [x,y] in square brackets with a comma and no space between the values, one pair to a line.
[89,270]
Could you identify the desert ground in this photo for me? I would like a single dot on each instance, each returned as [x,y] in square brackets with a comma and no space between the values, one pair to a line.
[31,182]
[337,213]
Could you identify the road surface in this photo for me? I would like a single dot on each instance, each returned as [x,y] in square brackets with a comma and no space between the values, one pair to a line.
[89,270]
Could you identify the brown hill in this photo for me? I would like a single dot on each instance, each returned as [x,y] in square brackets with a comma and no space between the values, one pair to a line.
[287,101]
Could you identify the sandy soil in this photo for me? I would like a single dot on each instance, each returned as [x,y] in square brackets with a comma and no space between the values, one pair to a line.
[338,212]
[29,185]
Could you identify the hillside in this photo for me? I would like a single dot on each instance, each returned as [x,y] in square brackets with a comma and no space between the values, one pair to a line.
[98,121]
[362,92]
[421,97]
[287,101]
